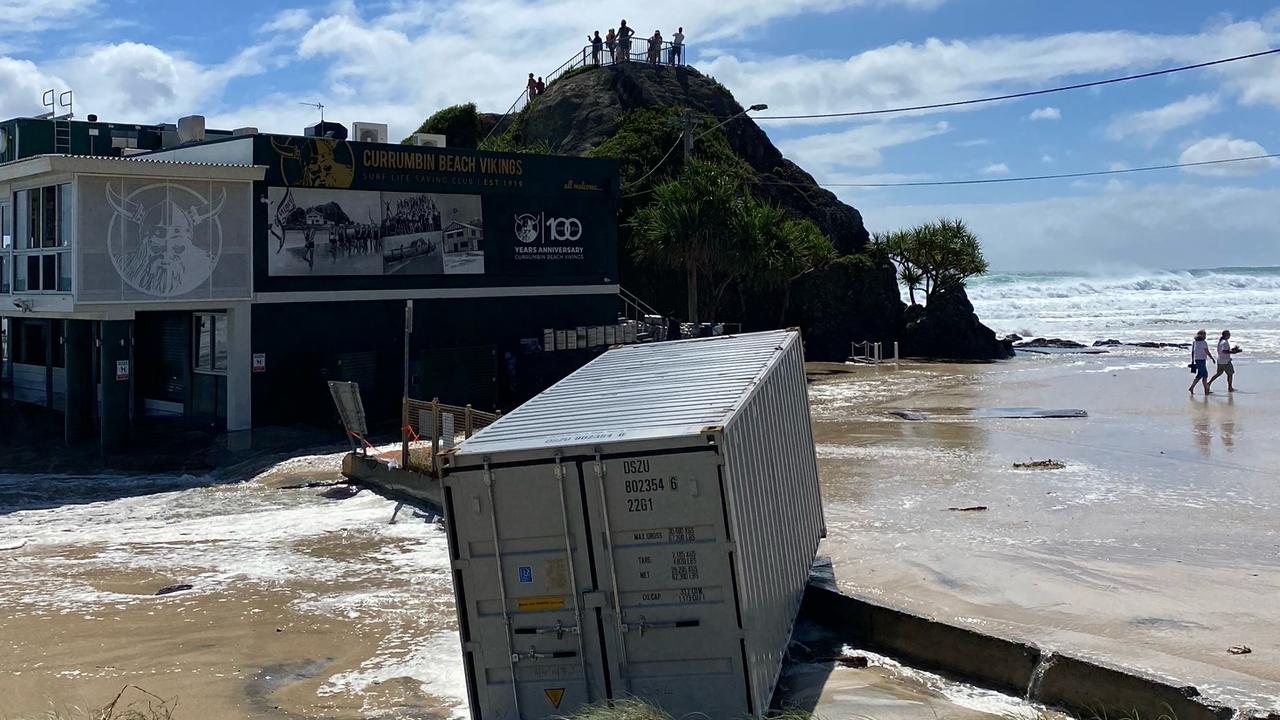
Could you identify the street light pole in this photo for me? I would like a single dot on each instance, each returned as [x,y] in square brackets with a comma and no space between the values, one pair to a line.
[687,139]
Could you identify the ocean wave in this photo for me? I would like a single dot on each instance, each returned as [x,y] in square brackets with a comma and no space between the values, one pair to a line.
[1054,285]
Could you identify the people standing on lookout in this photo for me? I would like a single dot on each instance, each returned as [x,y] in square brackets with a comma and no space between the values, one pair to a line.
[624,41]
[677,46]
[610,45]
[532,87]
[655,47]
[541,86]
[597,43]
[1200,355]
[1225,366]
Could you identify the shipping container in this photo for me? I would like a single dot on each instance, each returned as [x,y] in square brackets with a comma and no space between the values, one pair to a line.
[643,528]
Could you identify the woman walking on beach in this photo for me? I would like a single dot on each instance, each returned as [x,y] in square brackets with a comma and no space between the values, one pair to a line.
[1200,355]
[1225,367]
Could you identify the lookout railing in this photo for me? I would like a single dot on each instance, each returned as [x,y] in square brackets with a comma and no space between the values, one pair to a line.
[587,58]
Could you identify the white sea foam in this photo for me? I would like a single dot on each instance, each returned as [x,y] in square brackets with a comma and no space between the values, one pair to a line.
[1154,306]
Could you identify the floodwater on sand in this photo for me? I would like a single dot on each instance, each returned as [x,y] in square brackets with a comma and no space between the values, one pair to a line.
[299,605]
[1156,547]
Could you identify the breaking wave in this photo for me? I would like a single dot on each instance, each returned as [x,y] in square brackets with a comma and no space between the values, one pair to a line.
[1155,306]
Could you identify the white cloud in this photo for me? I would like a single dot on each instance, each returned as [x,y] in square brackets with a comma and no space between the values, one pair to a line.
[1148,126]
[1046,159]
[35,15]
[977,142]
[936,70]
[861,146]
[290,20]
[1045,113]
[995,169]
[1222,148]
[1162,226]
[1116,166]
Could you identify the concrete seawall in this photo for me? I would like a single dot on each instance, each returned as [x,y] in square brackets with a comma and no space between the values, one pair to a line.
[1086,688]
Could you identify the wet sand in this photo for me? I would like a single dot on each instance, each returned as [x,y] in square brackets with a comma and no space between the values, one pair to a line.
[1156,547]
[300,606]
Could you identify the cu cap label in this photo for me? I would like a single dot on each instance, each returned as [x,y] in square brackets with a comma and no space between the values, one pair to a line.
[525,573]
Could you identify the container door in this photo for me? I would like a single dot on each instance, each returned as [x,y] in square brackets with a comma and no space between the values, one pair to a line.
[524,584]
[664,559]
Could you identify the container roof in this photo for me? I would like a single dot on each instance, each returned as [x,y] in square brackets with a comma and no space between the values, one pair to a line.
[639,392]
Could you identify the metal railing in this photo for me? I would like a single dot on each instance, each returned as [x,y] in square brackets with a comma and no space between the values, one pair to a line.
[633,308]
[638,51]
[432,426]
[870,352]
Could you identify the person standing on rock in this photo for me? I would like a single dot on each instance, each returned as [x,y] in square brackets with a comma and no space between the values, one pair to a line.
[677,46]
[541,86]
[532,87]
[597,43]
[610,44]
[655,47]
[1200,356]
[1225,366]
[624,41]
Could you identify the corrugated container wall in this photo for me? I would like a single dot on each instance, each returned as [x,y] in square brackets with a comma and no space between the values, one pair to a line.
[644,528]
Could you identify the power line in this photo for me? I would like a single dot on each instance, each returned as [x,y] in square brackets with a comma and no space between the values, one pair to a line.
[1031,93]
[1025,178]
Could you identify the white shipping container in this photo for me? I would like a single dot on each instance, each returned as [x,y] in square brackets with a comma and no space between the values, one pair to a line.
[643,528]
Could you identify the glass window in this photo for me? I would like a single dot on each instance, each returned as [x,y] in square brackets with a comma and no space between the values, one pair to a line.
[6,227]
[204,342]
[34,223]
[64,271]
[211,343]
[64,215]
[22,211]
[4,274]
[48,271]
[49,216]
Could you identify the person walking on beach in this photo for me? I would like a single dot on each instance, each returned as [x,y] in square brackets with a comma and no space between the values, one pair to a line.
[597,43]
[1200,355]
[624,41]
[655,47]
[677,46]
[610,43]
[1225,367]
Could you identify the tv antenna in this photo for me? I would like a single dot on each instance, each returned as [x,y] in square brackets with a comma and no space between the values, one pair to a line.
[318,106]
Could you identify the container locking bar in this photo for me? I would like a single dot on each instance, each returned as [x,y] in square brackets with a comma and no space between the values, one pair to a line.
[533,654]
[502,584]
[645,625]
[560,630]
[573,574]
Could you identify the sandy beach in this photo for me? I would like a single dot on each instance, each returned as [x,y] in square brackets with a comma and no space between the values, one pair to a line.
[1155,547]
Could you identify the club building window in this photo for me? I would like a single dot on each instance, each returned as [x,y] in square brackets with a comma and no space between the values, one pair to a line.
[210,343]
[38,239]
[6,247]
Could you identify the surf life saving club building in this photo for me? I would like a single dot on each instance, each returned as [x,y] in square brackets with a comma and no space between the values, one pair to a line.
[222,281]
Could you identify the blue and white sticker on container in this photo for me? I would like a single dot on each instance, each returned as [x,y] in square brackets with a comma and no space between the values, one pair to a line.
[526,573]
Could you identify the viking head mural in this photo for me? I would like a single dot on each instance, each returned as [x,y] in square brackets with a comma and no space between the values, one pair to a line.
[315,162]
[154,235]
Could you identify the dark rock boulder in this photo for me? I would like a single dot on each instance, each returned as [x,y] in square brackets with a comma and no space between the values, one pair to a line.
[1058,343]
[845,302]
[1106,343]
[948,328]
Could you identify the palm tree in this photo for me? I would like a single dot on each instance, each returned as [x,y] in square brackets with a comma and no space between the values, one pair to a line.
[693,223]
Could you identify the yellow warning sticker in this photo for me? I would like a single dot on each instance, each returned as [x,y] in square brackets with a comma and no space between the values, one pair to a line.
[554,696]
[542,603]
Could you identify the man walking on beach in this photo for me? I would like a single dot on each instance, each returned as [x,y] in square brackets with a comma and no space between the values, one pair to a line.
[1200,355]
[1225,367]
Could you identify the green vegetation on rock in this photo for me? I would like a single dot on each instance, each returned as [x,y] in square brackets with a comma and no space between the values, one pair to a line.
[460,124]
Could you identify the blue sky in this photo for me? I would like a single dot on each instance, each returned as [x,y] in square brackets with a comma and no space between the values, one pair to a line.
[244,63]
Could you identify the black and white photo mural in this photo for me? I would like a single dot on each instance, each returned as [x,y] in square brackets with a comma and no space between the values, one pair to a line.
[316,232]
